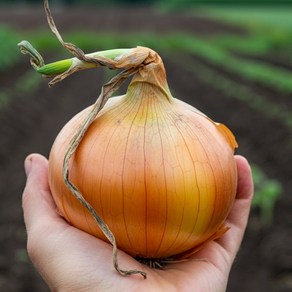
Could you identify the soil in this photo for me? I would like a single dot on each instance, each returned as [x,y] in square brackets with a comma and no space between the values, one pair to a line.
[30,122]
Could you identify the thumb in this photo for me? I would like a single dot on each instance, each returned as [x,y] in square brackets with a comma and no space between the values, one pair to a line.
[36,169]
[37,201]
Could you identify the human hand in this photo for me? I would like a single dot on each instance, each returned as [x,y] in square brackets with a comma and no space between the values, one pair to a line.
[69,259]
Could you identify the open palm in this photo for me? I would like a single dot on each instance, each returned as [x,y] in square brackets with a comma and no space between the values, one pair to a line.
[71,260]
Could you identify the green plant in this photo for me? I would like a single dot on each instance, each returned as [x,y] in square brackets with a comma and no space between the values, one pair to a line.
[26,83]
[9,54]
[267,192]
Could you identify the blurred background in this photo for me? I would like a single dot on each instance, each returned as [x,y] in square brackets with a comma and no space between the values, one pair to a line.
[230,59]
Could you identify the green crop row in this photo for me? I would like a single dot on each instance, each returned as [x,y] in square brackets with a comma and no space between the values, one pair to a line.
[9,53]
[255,71]
[255,18]
[253,44]
[268,30]
[23,85]
[234,90]
[267,192]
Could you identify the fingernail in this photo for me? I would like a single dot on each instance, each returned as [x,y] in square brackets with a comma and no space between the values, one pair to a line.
[28,165]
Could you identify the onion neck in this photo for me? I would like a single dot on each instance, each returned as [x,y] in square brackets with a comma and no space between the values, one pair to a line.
[152,75]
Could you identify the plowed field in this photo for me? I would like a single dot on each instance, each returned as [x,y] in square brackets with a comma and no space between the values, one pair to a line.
[30,121]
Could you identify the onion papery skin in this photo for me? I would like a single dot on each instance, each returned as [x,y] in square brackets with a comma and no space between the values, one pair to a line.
[160,173]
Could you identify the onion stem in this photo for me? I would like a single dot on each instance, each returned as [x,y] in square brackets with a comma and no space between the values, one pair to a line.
[59,67]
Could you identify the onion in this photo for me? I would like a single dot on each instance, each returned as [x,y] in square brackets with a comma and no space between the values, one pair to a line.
[160,173]
[157,175]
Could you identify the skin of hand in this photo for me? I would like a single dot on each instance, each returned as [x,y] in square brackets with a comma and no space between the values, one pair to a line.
[71,260]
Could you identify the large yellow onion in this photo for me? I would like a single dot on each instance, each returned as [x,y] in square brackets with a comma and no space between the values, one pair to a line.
[160,173]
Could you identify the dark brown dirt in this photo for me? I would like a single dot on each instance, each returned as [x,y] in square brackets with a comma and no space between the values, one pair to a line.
[30,122]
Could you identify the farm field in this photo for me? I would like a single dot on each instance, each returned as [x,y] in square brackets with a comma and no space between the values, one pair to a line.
[233,65]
